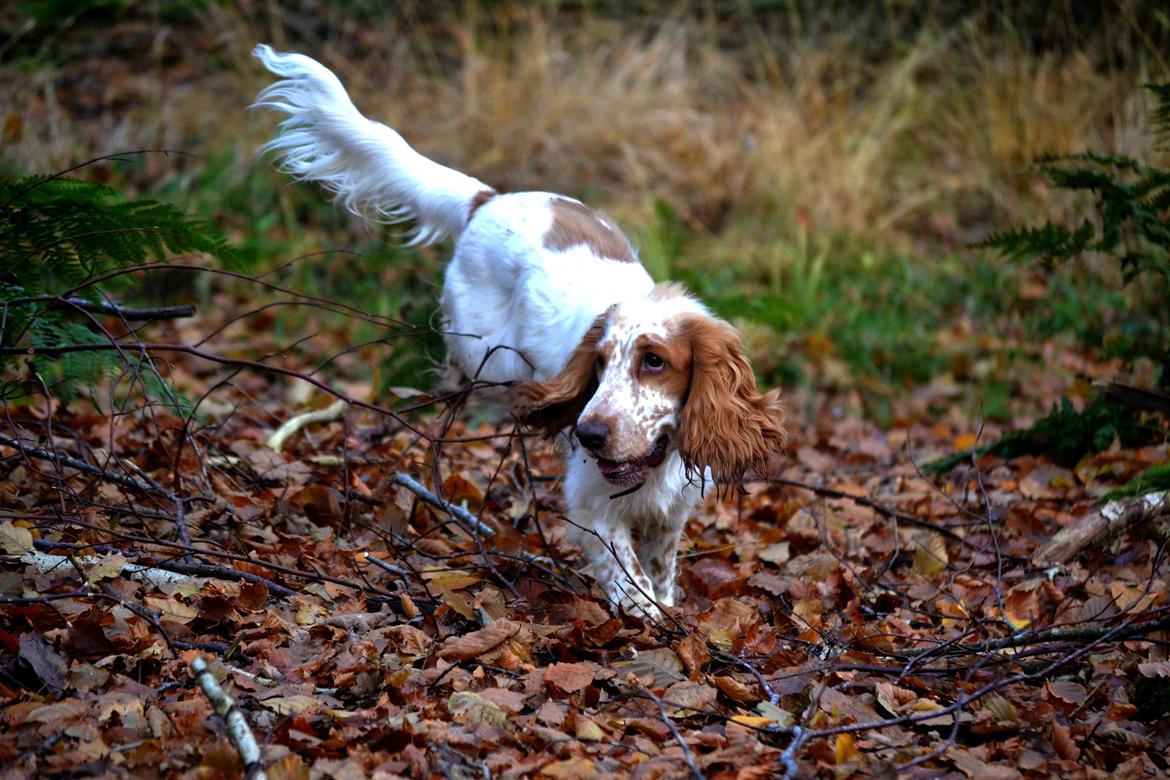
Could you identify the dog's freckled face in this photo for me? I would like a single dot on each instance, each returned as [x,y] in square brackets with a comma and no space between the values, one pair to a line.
[544,293]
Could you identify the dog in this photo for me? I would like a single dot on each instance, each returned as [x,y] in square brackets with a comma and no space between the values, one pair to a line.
[652,392]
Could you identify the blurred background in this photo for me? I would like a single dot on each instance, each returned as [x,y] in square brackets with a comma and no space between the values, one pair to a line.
[817,171]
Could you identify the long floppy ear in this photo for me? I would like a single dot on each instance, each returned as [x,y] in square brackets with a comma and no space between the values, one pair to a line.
[555,404]
[726,423]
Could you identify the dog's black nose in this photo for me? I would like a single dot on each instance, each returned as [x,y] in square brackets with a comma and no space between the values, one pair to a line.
[592,435]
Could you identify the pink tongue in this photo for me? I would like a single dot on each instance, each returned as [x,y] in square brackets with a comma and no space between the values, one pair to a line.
[608,467]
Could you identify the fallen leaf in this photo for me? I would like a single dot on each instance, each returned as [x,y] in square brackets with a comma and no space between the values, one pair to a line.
[930,554]
[688,698]
[15,540]
[569,678]
[50,667]
[471,709]
[1063,743]
[468,646]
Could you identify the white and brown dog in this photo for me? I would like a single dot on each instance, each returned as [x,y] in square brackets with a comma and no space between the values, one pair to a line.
[654,391]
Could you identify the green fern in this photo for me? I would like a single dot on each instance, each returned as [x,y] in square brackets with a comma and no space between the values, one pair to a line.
[1131,225]
[61,237]
[1131,201]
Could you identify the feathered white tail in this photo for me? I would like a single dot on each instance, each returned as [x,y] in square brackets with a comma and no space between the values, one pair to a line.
[367,166]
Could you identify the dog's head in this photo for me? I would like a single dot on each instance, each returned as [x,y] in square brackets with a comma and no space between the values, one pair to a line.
[653,374]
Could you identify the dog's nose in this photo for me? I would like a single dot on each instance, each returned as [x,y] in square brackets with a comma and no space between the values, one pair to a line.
[592,435]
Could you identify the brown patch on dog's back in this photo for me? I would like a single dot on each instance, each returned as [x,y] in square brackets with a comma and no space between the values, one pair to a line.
[477,200]
[574,224]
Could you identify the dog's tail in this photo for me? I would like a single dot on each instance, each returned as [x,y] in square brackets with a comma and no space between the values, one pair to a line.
[367,166]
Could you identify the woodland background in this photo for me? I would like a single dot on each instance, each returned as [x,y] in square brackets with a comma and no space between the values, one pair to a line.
[387,590]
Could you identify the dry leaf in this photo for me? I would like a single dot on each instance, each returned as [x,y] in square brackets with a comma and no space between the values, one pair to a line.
[468,646]
[569,678]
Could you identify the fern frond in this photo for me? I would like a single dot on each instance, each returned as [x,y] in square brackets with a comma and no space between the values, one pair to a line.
[1050,241]
[57,234]
[1160,114]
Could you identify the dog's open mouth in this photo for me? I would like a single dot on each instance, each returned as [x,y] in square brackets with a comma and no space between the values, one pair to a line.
[631,472]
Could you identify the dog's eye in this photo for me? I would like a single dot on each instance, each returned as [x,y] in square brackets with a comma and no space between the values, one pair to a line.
[653,362]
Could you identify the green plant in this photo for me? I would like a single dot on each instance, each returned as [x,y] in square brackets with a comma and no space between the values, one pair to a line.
[1129,227]
[66,246]
[1129,223]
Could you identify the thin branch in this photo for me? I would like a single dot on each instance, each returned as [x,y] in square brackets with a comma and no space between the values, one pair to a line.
[179,567]
[884,511]
[678,737]
[62,459]
[232,716]
[128,313]
[469,521]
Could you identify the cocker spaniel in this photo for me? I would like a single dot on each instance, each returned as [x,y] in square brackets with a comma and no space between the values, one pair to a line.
[654,393]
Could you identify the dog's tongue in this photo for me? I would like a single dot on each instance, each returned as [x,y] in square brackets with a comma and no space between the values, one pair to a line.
[610,468]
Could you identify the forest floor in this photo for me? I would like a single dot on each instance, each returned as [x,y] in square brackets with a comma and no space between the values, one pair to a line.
[848,616]
[390,592]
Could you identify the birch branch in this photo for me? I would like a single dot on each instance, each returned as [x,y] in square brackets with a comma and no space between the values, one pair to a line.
[233,717]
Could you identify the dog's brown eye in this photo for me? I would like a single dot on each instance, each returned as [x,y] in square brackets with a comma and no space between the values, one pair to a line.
[653,362]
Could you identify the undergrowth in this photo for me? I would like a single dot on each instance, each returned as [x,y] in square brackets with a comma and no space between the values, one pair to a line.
[67,247]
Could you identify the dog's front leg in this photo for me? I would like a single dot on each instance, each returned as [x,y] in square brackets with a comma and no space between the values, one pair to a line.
[658,553]
[610,559]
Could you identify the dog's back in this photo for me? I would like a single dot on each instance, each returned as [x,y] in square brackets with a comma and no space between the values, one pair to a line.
[530,270]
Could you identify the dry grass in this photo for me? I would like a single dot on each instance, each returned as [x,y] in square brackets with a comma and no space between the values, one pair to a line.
[749,142]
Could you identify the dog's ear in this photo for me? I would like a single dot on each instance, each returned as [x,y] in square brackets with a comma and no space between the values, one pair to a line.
[726,423]
[555,404]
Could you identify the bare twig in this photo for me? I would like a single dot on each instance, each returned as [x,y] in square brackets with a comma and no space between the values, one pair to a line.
[292,425]
[62,459]
[129,313]
[1107,521]
[233,718]
[469,521]
[678,737]
[179,567]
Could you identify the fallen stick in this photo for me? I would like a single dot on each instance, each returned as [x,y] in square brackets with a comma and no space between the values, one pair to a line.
[61,459]
[292,425]
[1105,522]
[46,562]
[233,717]
[127,312]
[205,570]
[457,512]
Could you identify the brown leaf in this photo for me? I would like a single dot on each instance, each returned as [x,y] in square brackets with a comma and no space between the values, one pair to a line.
[1154,668]
[734,689]
[409,640]
[1002,711]
[320,503]
[107,567]
[49,666]
[973,763]
[657,667]
[15,540]
[297,704]
[1069,691]
[570,769]
[930,554]
[588,730]
[893,698]
[468,646]
[569,678]
[1063,744]
[510,702]
[693,652]
[253,596]
[471,709]
[688,698]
